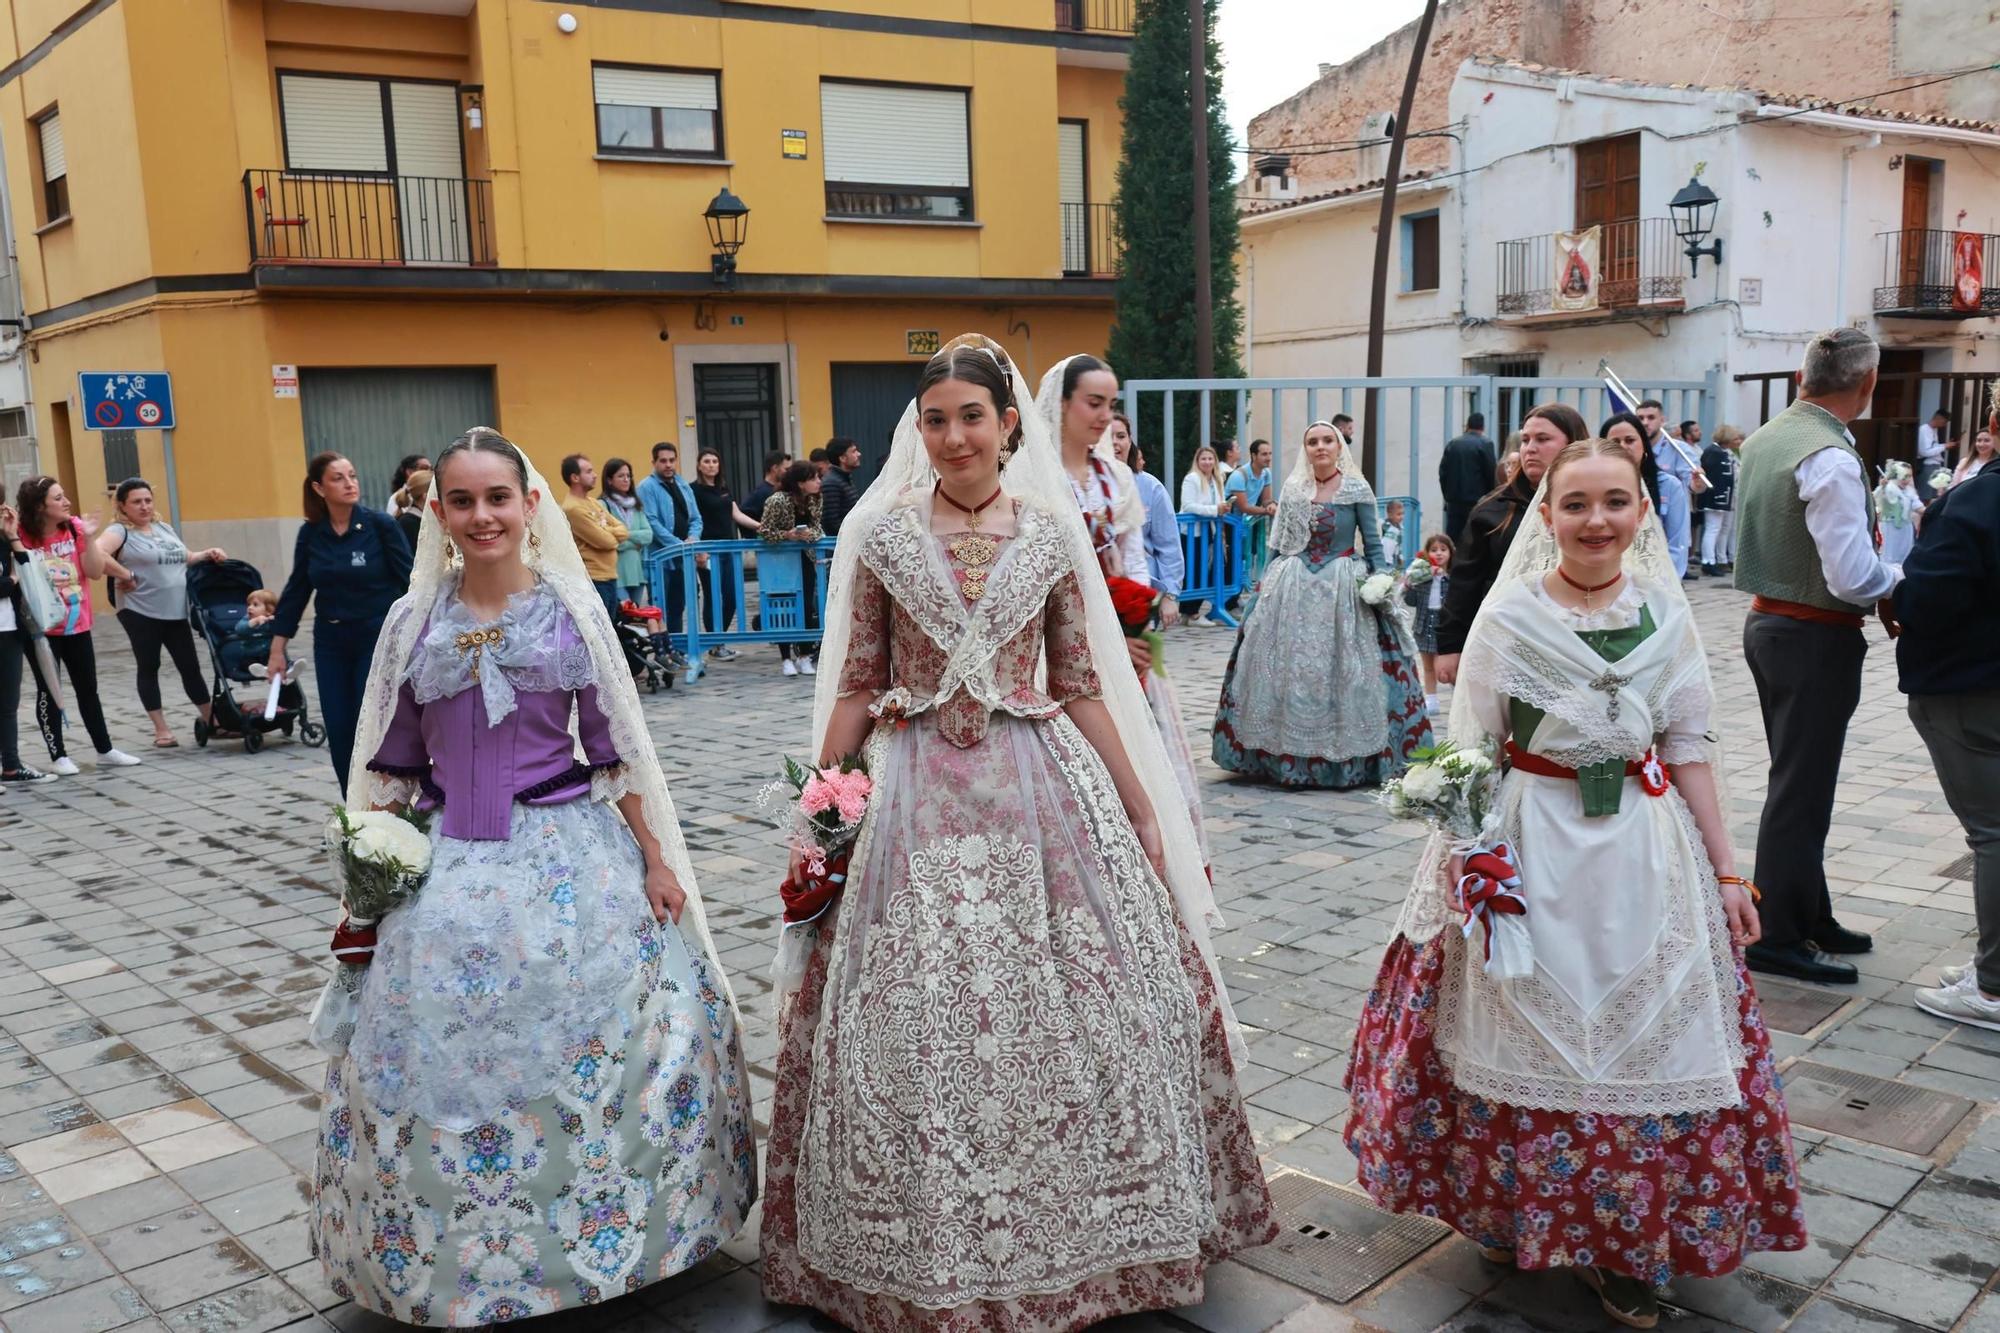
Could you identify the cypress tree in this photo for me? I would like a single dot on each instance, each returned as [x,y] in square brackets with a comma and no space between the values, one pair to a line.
[1153,336]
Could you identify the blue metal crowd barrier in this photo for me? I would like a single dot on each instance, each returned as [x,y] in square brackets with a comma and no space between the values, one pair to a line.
[717,589]
[790,604]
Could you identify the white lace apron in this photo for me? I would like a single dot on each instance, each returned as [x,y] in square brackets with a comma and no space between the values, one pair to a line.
[1631,1006]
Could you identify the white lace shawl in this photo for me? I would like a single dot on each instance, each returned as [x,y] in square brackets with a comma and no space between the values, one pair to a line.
[1292,528]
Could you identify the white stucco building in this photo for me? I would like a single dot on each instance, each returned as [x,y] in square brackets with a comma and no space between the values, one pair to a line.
[1827,216]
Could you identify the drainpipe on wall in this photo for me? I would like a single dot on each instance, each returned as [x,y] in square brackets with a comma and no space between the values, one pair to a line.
[1249,316]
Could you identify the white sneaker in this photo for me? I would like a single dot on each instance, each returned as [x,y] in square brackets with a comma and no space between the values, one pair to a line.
[118,759]
[1962,1004]
[1949,977]
[806,667]
[791,668]
[65,767]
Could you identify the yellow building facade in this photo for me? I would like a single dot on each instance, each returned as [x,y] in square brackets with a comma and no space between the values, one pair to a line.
[365,226]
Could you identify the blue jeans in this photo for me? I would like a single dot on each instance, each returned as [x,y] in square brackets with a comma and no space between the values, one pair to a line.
[342,651]
[607,589]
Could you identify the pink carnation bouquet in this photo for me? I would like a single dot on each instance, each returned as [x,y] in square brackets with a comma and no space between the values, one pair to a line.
[825,822]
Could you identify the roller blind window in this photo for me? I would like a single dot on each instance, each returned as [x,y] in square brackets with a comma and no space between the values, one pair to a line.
[334,124]
[657,112]
[55,167]
[896,151]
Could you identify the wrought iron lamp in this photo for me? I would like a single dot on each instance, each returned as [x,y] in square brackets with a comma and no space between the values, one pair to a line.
[728,224]
[1694,218]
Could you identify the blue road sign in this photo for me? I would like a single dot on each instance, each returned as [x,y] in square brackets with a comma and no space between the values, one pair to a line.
[127,400]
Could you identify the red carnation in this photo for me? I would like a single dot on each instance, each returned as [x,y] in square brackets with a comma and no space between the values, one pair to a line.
[1133,602]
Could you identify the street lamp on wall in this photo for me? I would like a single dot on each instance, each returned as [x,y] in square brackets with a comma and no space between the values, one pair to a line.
[1694,218]
[728,224]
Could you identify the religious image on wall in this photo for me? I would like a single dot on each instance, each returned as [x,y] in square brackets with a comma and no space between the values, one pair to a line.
[1576,269]
[1967,270]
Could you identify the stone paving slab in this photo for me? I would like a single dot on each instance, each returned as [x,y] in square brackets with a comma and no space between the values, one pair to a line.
[163,934]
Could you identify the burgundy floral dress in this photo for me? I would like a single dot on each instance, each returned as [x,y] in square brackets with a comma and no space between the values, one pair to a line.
[1005,1099]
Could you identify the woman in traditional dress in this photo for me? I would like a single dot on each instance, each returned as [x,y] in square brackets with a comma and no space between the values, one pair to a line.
[1616,1108]
[1896,507]
[1076,403]
[1006,1095]
[537,1098]
[1322,688]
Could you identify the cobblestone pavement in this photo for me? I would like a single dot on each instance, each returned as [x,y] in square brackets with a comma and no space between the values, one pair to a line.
[163,933]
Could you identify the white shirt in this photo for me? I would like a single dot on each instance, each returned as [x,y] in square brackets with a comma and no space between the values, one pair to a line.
[1200,495]
[1929,447]
[1836,495]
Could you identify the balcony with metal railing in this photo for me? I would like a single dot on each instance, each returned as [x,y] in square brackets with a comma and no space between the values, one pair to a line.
[1090,244]
[1929,273]
[1640,267]
[368,219]
[1104,18]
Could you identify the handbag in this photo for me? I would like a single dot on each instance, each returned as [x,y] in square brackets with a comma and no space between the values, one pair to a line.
[39,598]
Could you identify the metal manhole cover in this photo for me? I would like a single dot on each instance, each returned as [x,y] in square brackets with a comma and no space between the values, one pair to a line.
[1959,869]
[1876,1110]
[1334,1242]
[1799,1009]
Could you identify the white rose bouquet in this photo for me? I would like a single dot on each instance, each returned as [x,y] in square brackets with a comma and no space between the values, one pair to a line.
[1453,790]
[1448,788]
[381,859]
[1378,588]
[1940,480]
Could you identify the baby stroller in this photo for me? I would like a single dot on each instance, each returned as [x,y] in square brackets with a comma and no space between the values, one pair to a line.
[218,607]
[646,655]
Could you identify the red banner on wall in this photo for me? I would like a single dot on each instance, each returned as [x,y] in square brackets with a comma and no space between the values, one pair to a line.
[1968,278]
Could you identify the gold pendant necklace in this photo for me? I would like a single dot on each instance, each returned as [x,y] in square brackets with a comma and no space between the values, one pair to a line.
[973,549]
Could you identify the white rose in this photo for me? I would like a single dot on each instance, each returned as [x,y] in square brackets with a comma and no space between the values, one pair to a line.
[1375,588]
[1424,783]
[381,837]
[1467,763]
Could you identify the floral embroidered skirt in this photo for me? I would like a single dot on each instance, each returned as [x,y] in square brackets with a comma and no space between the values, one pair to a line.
[639,1162]
[1311,662]
[1654,1197]
[1005,1098]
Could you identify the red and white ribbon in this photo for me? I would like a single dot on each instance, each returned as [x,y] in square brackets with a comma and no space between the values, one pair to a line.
[1490,886]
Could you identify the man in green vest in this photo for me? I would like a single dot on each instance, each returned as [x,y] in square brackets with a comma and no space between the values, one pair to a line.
[1806,550]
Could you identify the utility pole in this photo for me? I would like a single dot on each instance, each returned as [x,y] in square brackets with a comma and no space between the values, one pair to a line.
[1204,239]
[1378,300]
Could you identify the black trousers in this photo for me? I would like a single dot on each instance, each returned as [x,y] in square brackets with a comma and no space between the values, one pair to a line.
[76,658]
[1456,516]
[1808,678]
[148,636]
[13,650]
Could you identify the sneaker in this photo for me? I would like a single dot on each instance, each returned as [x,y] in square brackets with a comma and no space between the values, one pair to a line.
[117,759]
[722,654]
[1961,1004]
[790,667]
[806,667]
[66,767]
[25,776]
[1948,977]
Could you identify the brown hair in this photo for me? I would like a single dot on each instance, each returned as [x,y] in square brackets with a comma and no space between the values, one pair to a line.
[312,502]
[973,358]
[1578,450]
[1444,539]
[1560,415]
[31,500]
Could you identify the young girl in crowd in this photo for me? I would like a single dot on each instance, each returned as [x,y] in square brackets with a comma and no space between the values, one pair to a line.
[1427,600]
[1006,1096]
[1608,1104]
[1896,507]
[537,1098]
[49,525]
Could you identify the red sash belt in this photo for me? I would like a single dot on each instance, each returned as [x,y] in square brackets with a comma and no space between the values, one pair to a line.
[1529,762]
[1818,615]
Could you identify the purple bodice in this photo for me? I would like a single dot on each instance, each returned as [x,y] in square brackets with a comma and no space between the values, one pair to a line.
[479,747]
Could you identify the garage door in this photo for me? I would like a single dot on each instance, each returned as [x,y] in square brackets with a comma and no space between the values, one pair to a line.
[377,416]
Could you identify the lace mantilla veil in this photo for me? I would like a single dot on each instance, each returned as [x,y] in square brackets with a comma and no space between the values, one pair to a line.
[1034,476]
[1128,510]
[1292,527]
[1488,663]
[553,556]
